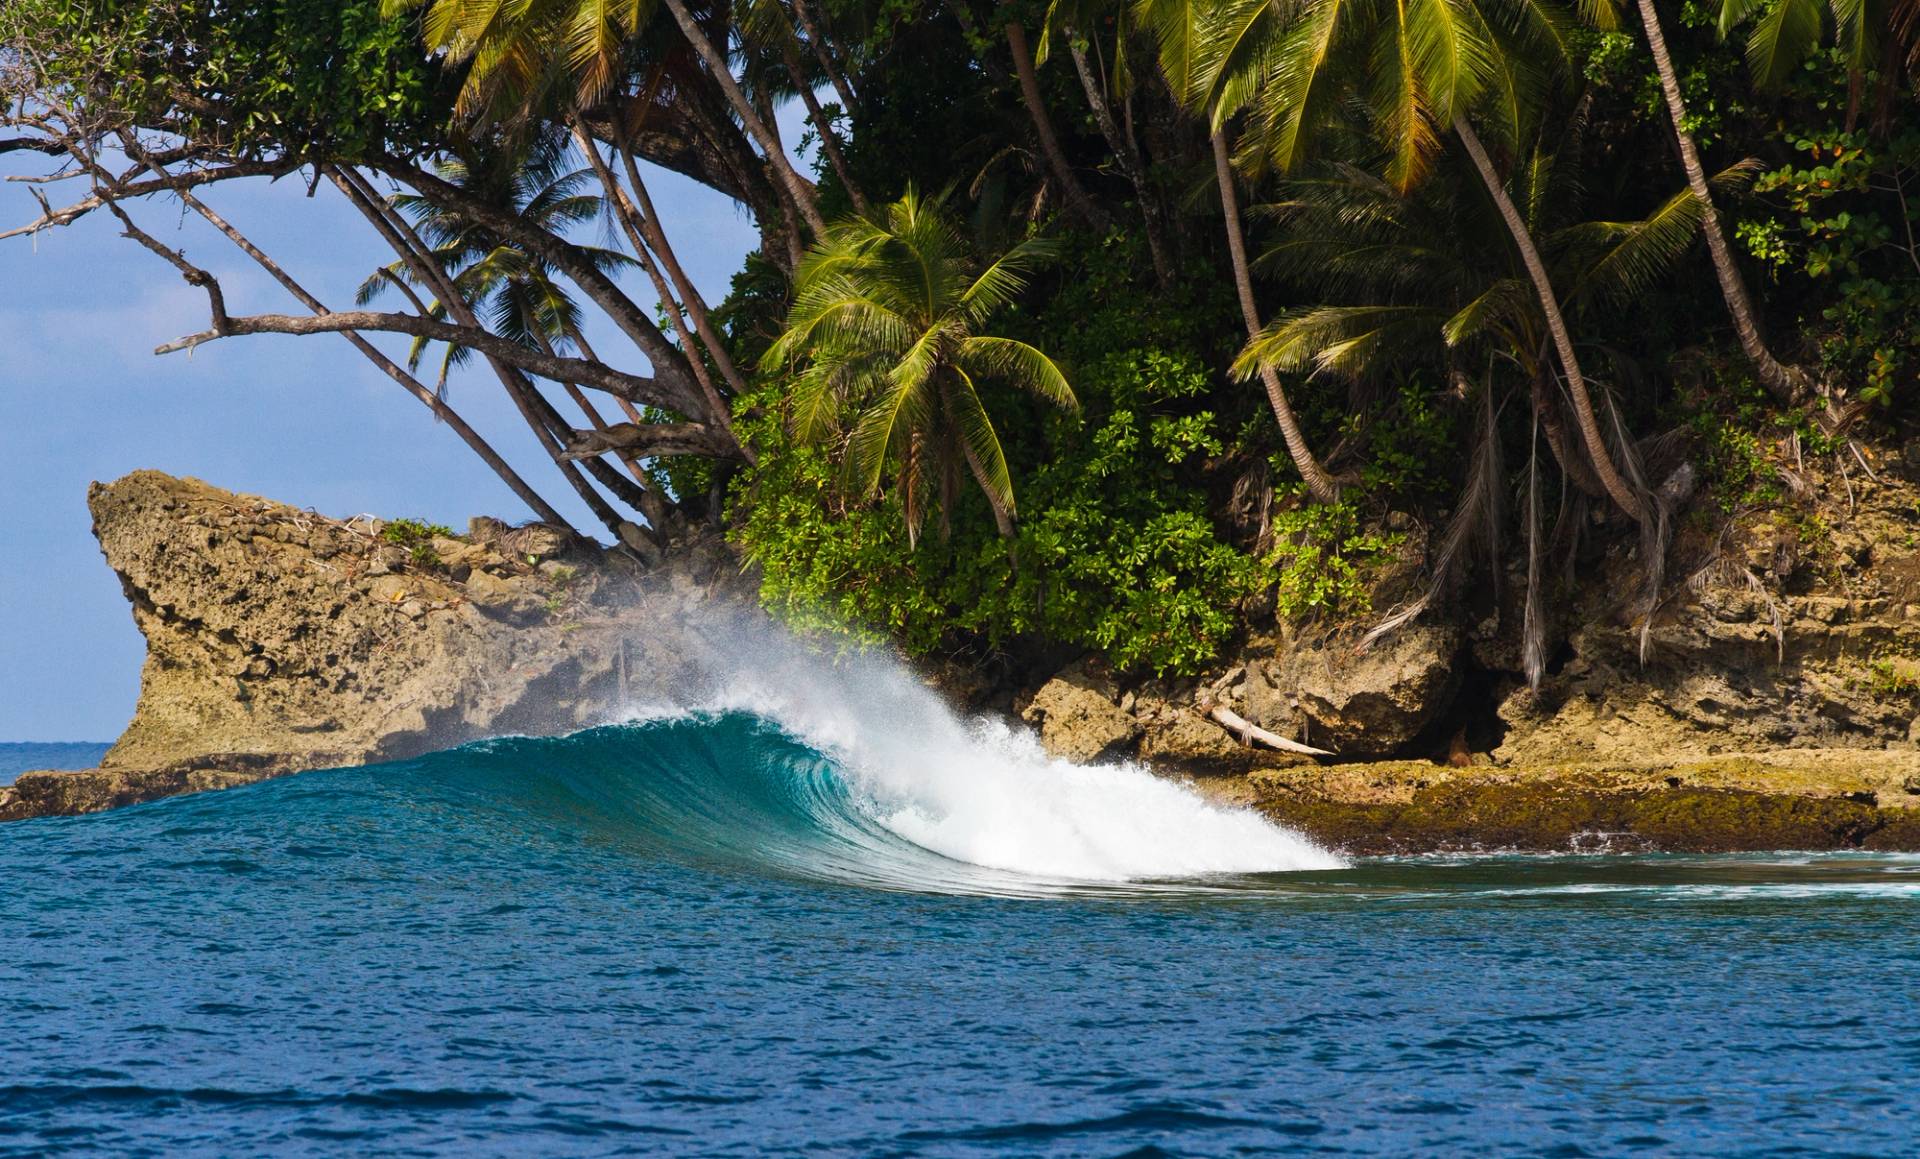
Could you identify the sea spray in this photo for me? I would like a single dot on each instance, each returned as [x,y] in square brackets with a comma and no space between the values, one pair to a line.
[979,793]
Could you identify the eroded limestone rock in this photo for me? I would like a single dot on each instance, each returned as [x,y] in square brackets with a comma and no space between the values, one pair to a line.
[1078,719]
[280,640]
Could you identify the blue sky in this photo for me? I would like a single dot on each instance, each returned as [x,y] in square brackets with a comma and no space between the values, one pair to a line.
[305,420]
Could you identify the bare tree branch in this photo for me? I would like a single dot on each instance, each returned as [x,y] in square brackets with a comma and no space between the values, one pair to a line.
[646,440]
[594,374]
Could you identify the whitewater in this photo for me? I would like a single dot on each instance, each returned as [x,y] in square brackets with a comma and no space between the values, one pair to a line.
[896,789]
[806,910]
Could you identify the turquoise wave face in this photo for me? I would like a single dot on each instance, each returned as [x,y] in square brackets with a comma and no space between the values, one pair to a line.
[733,790]
[713,933]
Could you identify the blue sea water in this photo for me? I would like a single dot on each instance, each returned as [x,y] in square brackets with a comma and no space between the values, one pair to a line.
[18,757]
[710,934]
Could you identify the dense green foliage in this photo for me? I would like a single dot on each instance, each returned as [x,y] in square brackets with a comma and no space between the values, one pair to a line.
[1115,548]
[262,80]
[1128,540]
[1328,284]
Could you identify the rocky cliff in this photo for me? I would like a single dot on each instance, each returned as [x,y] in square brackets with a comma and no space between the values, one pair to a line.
[280,640]
[1775,706]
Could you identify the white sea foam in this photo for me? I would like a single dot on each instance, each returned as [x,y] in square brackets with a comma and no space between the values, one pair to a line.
[984,794]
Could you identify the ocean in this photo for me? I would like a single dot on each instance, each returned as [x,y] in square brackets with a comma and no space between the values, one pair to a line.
[803,925]
[17,757]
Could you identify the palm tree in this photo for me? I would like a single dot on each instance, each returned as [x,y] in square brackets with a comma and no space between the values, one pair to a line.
[1422,280]
[515,293]
[1182,30]
[886,329]
[1789,31]
[517,53]
[1070,187]
[1783,383]
[766,25]
[518,293]
[1426,66]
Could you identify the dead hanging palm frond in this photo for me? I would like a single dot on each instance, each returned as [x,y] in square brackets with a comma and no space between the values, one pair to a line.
[1533,628]
[1656,530]
[1479,523]
[1250,508]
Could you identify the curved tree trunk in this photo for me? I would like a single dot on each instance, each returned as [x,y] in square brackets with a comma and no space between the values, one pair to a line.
[829,144]
[1129,158]
[1622,494]
[817,38]
[1778,380]
[1076,197]
[1319,484]
[656,235]
[797,187]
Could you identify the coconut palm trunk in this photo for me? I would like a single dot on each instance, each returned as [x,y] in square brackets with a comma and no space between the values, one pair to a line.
[816,38]
[1319,484]
[696,305]
[1056,158]
[1616,487]
[1778,380]
[644,249]
[829,144]
[1128,155]
[796,187]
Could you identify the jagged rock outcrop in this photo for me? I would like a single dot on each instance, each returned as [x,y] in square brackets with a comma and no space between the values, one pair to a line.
[1079,719]
[1780,633]
[1777,629]
[1358,702]
[280,640]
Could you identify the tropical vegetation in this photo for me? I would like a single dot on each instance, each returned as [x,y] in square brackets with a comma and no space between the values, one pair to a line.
[1174,317]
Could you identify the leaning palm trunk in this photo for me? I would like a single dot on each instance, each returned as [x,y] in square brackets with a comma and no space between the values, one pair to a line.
[829,144]
[630,218]
[1319,484]
[1617,488]
[1128,155]
[1778,380]
[819,43]
[796,187]
[696,306]
[1070,189]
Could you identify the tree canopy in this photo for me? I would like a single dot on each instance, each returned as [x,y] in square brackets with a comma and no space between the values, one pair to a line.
[1230,294]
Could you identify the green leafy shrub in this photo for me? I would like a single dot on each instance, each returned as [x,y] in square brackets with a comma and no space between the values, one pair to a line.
[1114,548]
[417,537]
[1322,559]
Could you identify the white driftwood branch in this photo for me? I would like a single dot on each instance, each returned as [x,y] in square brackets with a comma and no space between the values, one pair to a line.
[1250,732]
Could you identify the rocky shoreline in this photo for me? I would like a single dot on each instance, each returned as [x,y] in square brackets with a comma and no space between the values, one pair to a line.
[280,640]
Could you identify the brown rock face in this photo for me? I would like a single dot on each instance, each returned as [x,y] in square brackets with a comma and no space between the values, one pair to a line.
[1078,722]
[279,640]
[1359,704]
